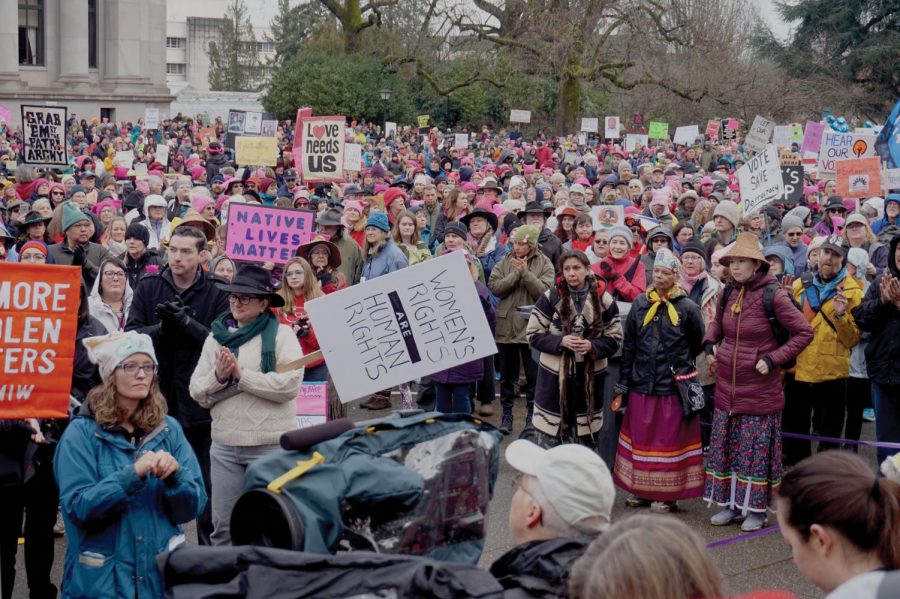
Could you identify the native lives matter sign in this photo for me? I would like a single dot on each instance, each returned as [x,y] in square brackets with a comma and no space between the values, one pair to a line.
[760,180]
[402,326]
[38,323]
[263,234]
[322,140]
[44,129]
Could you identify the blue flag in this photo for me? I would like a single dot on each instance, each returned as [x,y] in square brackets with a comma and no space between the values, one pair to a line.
[887,145]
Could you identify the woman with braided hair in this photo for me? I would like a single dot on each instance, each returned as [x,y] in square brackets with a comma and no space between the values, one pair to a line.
[575,325]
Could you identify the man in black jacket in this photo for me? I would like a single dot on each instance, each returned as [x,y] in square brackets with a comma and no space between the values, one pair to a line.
[879,313]
[176,307]
[563,499]
[549,243]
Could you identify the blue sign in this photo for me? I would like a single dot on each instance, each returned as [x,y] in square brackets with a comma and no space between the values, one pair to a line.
[887,145]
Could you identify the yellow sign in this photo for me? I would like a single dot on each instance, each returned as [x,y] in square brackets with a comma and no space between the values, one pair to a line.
[423,120]
[255,151]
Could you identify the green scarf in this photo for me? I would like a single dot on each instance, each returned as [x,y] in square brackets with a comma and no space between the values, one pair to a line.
[265,324]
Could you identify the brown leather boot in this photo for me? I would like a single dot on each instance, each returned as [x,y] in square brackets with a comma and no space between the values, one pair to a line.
[376,402]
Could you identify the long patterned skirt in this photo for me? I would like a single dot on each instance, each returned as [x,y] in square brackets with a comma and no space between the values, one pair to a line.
[659,455]
[743,469]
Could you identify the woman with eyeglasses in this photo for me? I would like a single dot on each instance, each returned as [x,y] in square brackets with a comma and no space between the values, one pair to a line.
[57,194]
[298,285]
[128,479]
[110,298]
[239,379]
[834,209]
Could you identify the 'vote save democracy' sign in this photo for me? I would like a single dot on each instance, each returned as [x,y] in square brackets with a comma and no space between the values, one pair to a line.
[263,234]
[44,130]
[322,142]
[402,326]
[760,180]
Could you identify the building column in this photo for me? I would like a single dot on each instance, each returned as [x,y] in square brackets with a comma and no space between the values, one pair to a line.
[9,41]
[73,41]
[123,48]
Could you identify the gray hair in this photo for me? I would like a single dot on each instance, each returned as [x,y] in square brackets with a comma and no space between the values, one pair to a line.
[550,518]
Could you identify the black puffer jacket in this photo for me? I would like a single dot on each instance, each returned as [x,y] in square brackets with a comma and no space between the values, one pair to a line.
[649,351]
[135,269]
[178,348]
[550,245]
[883,321]
[215,164]
[539,568]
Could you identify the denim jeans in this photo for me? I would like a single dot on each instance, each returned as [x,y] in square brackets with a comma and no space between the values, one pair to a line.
[228,464]
[886,399]
[453,398]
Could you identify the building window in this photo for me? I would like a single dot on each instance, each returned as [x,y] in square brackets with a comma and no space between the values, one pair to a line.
[176,43]
[92,34]
[268,47]
[31,32]
[176,68]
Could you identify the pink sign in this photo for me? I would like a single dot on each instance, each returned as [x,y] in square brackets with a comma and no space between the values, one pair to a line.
[812,137]
[712,128]
[301,113]
[312,404]
[263,234]
[4,114]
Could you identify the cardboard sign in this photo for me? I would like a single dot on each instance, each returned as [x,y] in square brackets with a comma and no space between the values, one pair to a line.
[353,157]
[812,137]
[44,136]
[402,326]
[843,146]
[792,176]
[590,125]
[151,118]
[632,139]
[658,130]
[859,177]
[236,120]
[612,127]
[604,217]
[890,179]
[422,120]
[686,136]
[255,151]
[162,154]
[887,143]
[796,133]
[263,234]
[323,143]
[730,129]
[390,129]
[460,140]
[268,128]
[124,158]
[312,404]
[206,135]
[519,116]
[759,135]
[782,136]
[38,323]
[788,158]
[253,123]
[712,128]
[760,180]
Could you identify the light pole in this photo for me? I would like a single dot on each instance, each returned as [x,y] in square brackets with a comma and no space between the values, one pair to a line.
[385,94]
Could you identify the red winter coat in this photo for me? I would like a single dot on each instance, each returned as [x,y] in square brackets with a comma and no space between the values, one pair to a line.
[309,343]
[746,338]
[621,287]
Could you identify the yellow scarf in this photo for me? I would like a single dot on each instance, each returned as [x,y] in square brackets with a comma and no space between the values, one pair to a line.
[654,297]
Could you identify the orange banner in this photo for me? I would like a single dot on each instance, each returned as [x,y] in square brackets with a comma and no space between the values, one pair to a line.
[206,135]
[858,178]
[38,324]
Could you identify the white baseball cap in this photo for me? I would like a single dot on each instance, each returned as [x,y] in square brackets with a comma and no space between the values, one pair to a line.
[574,479]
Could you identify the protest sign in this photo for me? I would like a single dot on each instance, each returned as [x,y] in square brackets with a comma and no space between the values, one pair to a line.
[658,130]
[611,128]
[590,125]
[323,148]
[858,177]
[729,129]
[297,150]
[422,120]
[353,157]
[312,404]
[460,140]
[268,128]
[759,134]
[5,114]
[843,146]
[253,123]
[124,158]
[887,143]
[686,136]
[890,179]
[632,139]
[140,169]
[390,129]
[236,120]
[793,183]
[812,137]
[519,116]
[796,133]
[44,131]
[788,158]
[781,136]
[38,324]
[255,151]
[402,326]
[760,180]
[151,118]
[604,217]
[266,234]
[712,128]
[162,154]
[206,135]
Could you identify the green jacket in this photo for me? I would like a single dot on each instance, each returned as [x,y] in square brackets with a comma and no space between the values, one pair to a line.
[351,259]
[515,289]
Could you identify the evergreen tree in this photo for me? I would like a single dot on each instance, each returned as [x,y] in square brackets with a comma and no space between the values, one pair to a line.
[234,58]
[291,27]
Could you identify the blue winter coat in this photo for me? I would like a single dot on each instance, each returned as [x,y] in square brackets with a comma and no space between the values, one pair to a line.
[116,522]
[389,259]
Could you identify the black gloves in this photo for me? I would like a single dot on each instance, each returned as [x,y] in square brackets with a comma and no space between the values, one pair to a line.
[173,312]
[324,277]
[607,272]
[78,259]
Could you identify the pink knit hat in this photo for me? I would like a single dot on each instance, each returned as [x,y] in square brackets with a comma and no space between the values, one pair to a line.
[200,202]
[661,197]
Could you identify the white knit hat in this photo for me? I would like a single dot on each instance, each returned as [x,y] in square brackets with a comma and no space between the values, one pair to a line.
[108,351]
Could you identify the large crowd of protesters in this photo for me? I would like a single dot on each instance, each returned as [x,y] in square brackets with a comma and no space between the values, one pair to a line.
[662,342]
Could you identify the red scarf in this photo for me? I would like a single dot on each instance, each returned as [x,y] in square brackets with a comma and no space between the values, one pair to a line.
[582,244]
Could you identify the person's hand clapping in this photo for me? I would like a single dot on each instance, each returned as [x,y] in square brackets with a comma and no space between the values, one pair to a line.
[145,463]
[164,465]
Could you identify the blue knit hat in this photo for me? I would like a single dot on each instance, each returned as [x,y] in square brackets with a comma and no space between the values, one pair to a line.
[71,215]
[379,220]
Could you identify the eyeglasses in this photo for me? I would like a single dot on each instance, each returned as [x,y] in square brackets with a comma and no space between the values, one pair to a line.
[58,193]
[836,210]
[35,257]
[132,368]
[243,300]
[601,242]
[294,273]
[113,274]
[797,234]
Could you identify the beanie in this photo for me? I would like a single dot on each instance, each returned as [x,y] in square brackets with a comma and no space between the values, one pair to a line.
[858,257]
[623,232]
[527,233]
[730,212]
[34,244]
[71,215]
[391,195]
[379,220]
[139,232]
[694,246]
[457,228]
[108,351]
[789,222]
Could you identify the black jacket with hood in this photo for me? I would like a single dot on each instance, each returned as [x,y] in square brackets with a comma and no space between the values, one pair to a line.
[539,569]
[883,321]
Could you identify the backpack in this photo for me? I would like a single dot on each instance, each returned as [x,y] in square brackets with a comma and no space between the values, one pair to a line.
[782,335]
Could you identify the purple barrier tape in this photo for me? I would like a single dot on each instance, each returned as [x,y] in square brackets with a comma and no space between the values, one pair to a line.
[744,537]
[835,440]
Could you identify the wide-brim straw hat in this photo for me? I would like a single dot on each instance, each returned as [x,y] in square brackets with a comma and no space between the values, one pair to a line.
[745,246]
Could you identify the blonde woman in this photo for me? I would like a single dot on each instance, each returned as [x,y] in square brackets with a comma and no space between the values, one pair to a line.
[113,237]
[405,234]
[298,285]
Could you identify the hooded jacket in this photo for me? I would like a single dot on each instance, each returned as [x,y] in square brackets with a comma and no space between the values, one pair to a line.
[550,245]
[106,315]
[514,289]
[883,322]
[135,269]
[214,164]
[388,259]
[539,569]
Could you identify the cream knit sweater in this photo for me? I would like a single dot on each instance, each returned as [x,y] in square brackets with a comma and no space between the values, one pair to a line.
[265,408]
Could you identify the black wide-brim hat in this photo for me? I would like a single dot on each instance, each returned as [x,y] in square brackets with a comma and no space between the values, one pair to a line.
[254,280]
[34,217]
[480,213]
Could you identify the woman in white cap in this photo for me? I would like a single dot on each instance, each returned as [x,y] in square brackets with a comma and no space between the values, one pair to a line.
[127,476]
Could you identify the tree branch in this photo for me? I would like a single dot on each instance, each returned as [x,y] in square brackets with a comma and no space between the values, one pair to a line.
[334,8]
[376,4]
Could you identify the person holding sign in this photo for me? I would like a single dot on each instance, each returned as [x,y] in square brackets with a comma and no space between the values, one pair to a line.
[127,476]
[237,379]
[324,259]
[299,285]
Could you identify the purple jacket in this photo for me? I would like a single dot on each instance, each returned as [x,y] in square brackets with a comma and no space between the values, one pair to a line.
[746,338]
[474,370]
